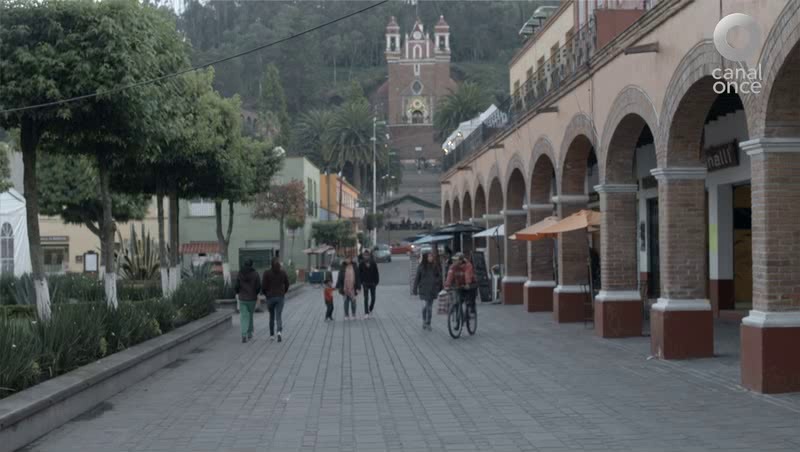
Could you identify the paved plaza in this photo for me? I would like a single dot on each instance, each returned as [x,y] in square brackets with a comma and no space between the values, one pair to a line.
[522,383]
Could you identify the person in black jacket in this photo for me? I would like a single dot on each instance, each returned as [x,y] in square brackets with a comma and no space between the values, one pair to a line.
[275,285]
[248,285]
[368,270]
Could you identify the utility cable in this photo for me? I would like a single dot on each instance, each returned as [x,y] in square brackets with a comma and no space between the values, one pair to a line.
[192,69]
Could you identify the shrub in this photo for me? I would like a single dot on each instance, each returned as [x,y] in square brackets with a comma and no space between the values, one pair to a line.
[19,350]
[162,311]
[7,290]
[193,300]
[129,325]
[138,290]
[77,287]
[292,272]
[71,338]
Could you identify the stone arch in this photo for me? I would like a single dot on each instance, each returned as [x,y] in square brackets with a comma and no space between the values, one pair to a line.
[515,163]
[494,173]
[515,189]
[456,209]
[580,139]
[542,171]
[631,111]
[775,59]
[447,216]
[542,176]
[689,95]
[495,204]
[466,206]
[480,202]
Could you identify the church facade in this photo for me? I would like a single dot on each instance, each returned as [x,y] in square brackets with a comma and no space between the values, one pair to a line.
[418,65]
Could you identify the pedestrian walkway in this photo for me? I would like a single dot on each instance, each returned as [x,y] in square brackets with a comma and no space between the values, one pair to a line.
[522,383]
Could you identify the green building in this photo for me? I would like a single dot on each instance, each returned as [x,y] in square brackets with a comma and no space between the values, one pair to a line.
[251,238]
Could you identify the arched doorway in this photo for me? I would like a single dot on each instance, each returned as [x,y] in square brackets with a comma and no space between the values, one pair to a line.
[629,230]
[703,183]
[480,210]
[494,245]
[456,210]
[466,215]
[447,215]
[541,271]
[571,297]
[770,334]
[516,251]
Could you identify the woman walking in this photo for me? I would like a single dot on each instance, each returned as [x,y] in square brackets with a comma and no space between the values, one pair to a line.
[348,283]
[275,284]
[247,289]
[427,284]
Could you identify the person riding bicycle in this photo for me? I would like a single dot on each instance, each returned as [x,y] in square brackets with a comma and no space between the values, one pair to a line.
[461,278]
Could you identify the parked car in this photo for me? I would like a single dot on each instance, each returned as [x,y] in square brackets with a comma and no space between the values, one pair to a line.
[382,253]
[401,247]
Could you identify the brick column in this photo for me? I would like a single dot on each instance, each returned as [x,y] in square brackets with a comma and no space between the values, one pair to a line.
[538,295]
[770,335]
[618,306]
[516,254]
[570,295]
[494,247]
[681,322]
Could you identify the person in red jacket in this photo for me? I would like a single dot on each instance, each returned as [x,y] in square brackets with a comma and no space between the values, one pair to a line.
[461,278]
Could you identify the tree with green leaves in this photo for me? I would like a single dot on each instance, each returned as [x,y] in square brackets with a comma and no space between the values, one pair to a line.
[280,203]
[131,43]
[311,136]
[5,167]
[294,224]
[68,189]
[336,233]
[467,102]
[349,139]
[273,116]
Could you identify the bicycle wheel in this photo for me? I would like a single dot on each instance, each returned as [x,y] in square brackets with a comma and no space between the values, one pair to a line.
[471,318]
[454,321]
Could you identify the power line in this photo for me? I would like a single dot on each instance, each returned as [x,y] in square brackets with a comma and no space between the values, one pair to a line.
[192,69]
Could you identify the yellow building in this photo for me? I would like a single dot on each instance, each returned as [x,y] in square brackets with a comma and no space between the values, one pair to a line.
[333,191]
[65,246]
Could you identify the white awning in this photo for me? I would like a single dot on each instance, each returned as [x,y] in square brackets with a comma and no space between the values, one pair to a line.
[497,231]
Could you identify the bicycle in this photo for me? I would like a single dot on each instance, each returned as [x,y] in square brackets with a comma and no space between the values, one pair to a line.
[457,317]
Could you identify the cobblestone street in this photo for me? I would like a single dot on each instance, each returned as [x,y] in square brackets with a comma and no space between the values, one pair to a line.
[521,383]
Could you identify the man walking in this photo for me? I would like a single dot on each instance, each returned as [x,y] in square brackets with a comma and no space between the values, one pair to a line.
[275,284]
[368,270]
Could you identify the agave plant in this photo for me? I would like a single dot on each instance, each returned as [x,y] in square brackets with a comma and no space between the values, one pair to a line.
[25,293]
[139,259]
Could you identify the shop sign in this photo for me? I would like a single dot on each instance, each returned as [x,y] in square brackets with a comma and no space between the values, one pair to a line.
[722,156]
[55,238]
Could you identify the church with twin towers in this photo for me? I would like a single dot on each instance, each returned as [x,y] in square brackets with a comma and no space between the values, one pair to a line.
[418,64]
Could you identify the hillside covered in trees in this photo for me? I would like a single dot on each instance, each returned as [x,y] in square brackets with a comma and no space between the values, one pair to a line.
[316,69]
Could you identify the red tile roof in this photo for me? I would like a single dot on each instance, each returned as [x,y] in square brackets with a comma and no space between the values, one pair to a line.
[200,248]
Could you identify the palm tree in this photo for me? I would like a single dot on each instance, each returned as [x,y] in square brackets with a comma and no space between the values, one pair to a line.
[349,137]
[313,128]
[459,106]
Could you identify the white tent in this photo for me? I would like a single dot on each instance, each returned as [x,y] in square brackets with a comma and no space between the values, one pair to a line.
[14,252]
[495,232]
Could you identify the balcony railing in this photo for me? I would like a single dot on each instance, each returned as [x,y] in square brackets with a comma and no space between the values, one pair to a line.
[571,59]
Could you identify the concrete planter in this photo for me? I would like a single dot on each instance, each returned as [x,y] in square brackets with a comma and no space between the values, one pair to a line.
[34,412]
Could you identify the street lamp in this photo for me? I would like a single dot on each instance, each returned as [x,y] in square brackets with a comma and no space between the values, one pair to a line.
[375,124]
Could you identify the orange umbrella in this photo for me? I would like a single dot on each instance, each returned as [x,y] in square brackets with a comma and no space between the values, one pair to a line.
[532,232]
[585,219]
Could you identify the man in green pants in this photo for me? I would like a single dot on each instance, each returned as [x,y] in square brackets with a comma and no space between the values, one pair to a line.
[248,285]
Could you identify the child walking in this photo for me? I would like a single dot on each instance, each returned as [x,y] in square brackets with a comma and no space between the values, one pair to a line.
[327,293]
